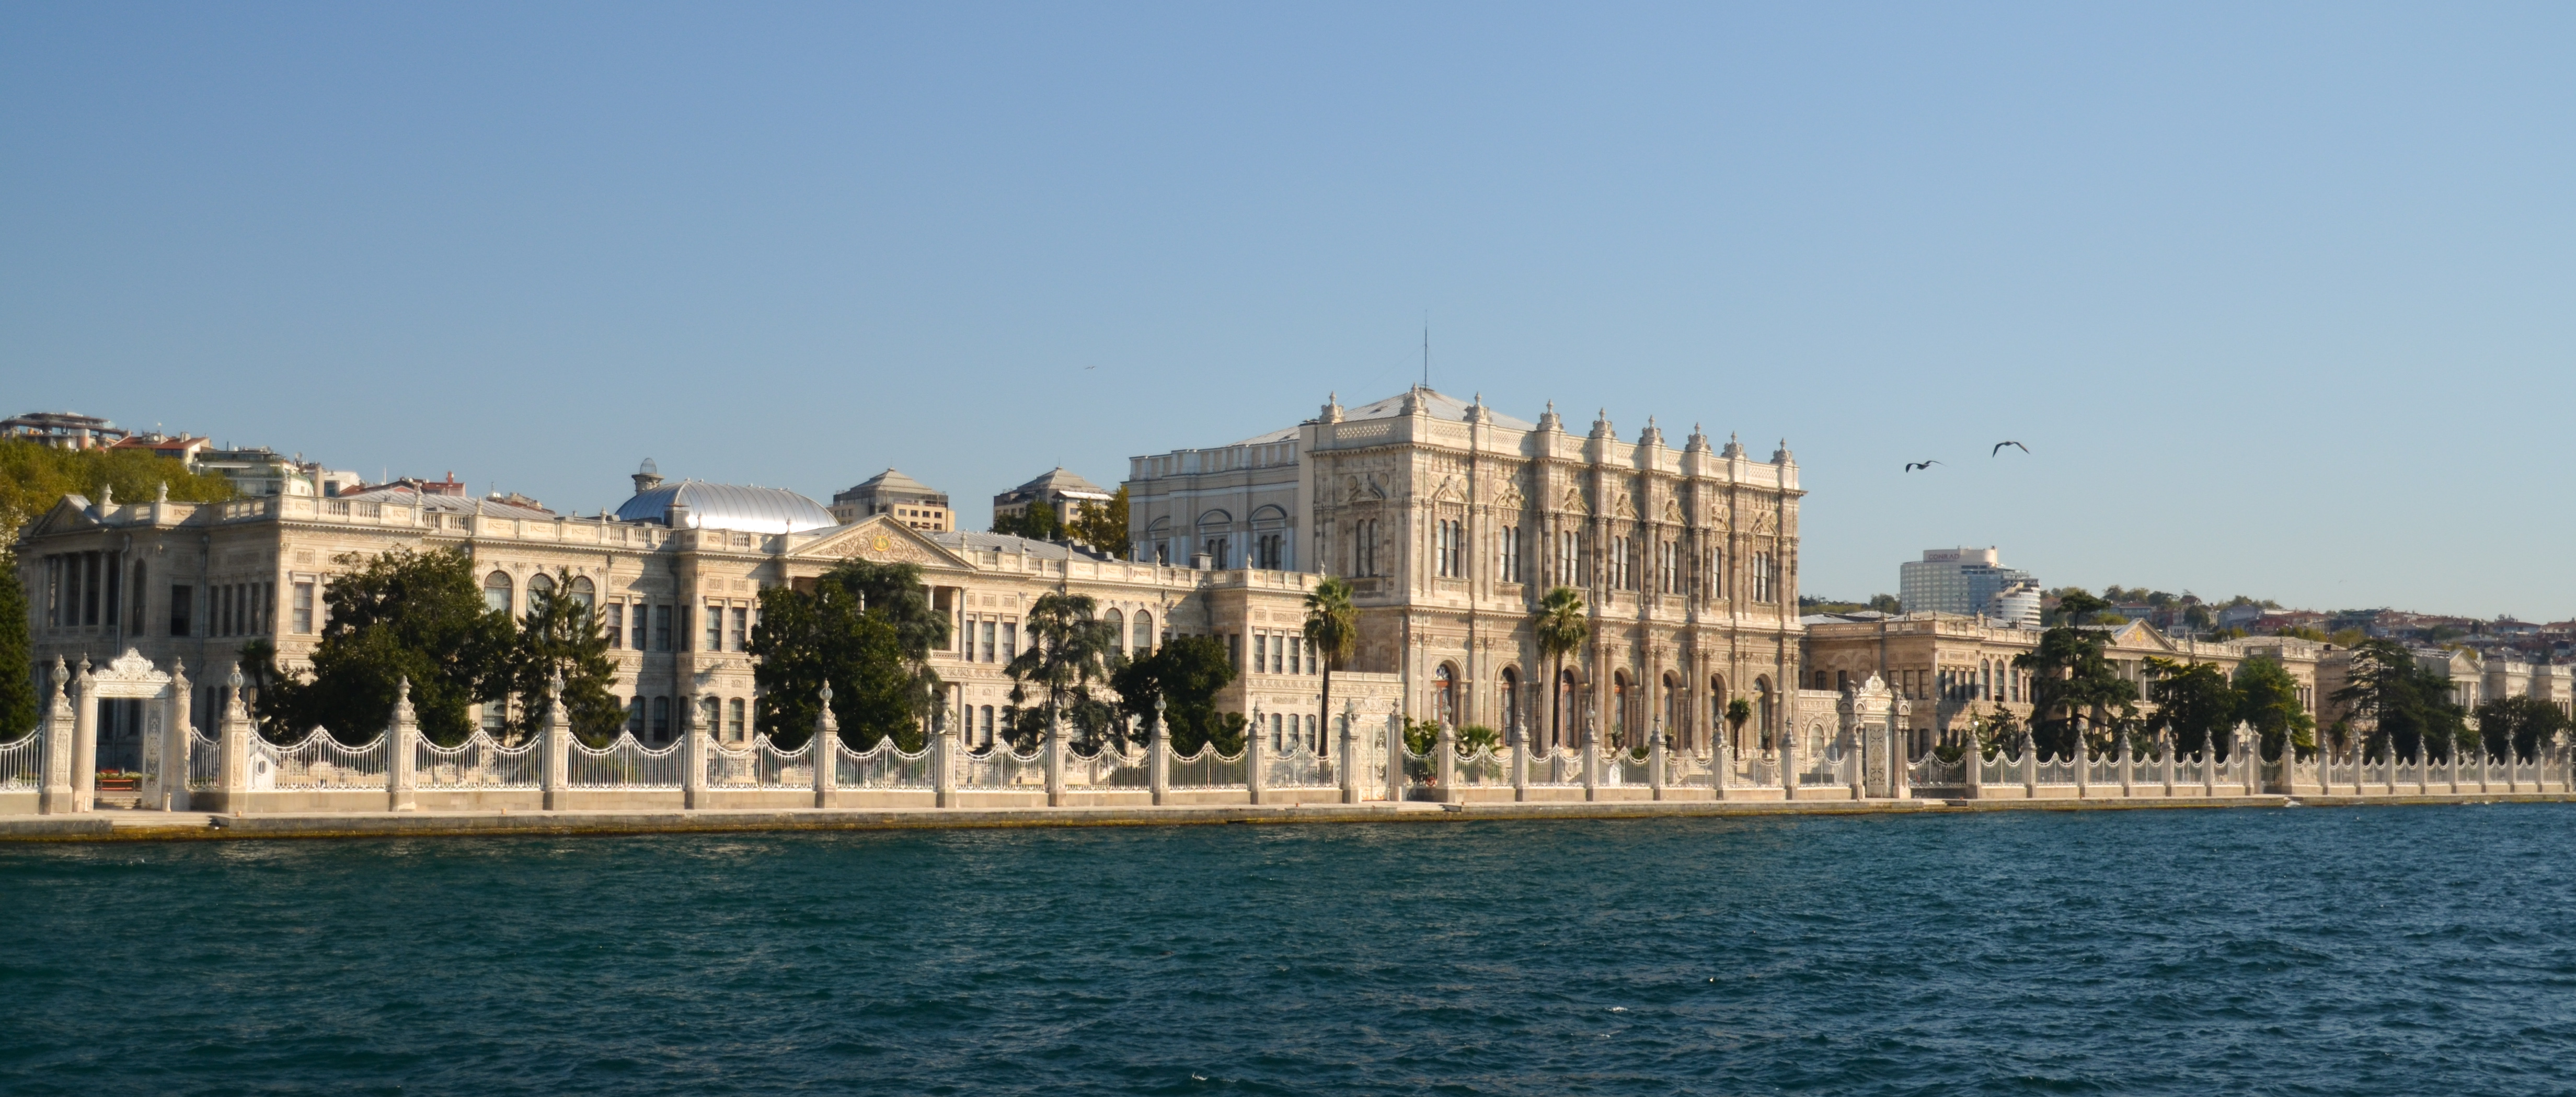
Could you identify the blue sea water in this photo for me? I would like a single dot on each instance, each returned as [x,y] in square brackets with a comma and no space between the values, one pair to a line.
[2314,950]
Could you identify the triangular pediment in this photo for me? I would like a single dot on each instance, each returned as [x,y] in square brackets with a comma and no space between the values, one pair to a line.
[69,514]
[882,539]
[2139,634]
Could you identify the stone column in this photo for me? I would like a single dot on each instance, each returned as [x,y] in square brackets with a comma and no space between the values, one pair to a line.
[1591,748]
[1158,756]
[401,750]
[1055,757]
[234,733]
[1255,782]
[2083,770]
[1520,763]
[1350,770]
[84,740]
[824,751]
[177,741]
[2128,766]
[2252,745]
[693,757]
[558,747]
[2209,766]
[1788,766]
[1655,760]
[2452,764]
[1975,758]
[1721,764]
[943,768]
[1445,765]
[1900,770]
[2482,765]
[2030,770]
[1395,756]
[2165,747]
[57,796]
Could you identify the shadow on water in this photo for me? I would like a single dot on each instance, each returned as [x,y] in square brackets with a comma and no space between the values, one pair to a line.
[2288,951]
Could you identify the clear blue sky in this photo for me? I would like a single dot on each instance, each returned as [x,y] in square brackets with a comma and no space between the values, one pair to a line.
[2279,296]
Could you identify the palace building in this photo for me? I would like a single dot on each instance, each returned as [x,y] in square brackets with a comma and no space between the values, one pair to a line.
[1453,520]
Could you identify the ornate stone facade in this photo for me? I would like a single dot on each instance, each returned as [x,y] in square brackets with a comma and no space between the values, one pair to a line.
[1453,521]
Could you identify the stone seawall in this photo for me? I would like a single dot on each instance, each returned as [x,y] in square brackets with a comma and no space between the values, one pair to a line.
[145,826]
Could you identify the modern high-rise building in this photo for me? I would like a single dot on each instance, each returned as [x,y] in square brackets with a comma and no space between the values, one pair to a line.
[1968,581]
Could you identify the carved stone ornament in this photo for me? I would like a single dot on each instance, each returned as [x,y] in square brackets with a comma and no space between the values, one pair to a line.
[1574,502]
[1766,522]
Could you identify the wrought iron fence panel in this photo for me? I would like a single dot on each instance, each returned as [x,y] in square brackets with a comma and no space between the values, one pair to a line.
[477,763]
[624,764]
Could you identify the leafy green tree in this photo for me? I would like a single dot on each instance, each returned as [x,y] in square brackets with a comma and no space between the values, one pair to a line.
[2301,632]
[1561,627]
[1038,523]
[1102,527]
[402,614]
[2519,726]
[1997,731]
[1185,674]
[2403,705]
[1738,712]
[560,635]
[895,594]
[806,639]
[34,476]
[2267,700]
[1420,736]
[1886,603]
[2194,701]
[2072,680]
[1333,627]
[17,656]
[1474,736]
[1070,651]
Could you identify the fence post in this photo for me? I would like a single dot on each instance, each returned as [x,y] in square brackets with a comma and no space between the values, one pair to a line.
[693,758]
[1900,769]
[1520,763]
[1655,760]
[1591,763]
[943,768]
[1350,735]
[1158,755]
[1055,757]
[234,733]
[2128,766]
[1444,770]
[402,752]
[558,747]
[57,796]
[1975,757]
[2030,770]
[825,750]
[2083,770]
[1788,766]
[2165,750]
[2253,756]
[1721,766]
[1395,757]
[85,740]
[1255,782]
[178,741]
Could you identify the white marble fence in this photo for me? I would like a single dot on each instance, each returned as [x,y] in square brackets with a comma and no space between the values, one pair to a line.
[1366,761]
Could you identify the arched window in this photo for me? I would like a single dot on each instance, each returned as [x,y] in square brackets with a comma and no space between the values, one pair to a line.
[1676,714]
[1117,630]
[1510,695]
[1215,530]
[541,586]
[1144,644]
[1619,723]
[496,591]
[1567,724]
[1444,694]
[1270,547]
[582,591]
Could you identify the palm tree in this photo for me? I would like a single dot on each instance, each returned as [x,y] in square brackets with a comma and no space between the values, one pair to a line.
[1561,627]
[1333,626]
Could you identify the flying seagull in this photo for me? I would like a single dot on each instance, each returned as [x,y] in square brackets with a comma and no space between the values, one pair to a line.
[1913,465]
[1999,447]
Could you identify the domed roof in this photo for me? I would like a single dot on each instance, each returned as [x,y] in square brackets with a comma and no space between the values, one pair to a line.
[727,506]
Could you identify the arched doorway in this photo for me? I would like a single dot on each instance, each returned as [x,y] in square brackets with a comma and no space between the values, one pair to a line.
[1566,725]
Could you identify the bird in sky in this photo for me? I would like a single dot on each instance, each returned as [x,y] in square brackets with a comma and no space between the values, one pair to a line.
[1999,447]
[1913,465]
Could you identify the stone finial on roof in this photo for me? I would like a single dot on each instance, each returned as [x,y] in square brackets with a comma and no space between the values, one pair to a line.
[1601,427]
[1549,421]
[1698,441]
[1333,407]
[1653,435]
[1734,447]
[1781,456]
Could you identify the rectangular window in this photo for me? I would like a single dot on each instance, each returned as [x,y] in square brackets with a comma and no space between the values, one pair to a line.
[89,588]
[715,628]
[1010,640]
[303,609]
[661,628]
[680,634]
[1510,564]
[733,720]
[183,606]
[662,714]
[988,640]
[1260,653]
[635,718]
[115,587]
[742,628]
[637,637]
[1296,655]
[1234,650]
[614,616]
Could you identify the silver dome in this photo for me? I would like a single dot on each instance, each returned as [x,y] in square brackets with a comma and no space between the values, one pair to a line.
[727,506]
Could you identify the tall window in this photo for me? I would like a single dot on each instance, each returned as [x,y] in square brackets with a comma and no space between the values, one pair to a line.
[742,628]
[1364,547]
[715,628]
[734,720]
[1117,630]
[1508,567]
[1144,642]
[1268,550]
[1671,567]
[1711,577]
[988,640]
[639,642]
[661,628]
[613,617]
[183,607]
[1764,573]
[1451,548]
[303,608]
[540,587]
[496,591]
[1569,558]
[581,591]
[662,719]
